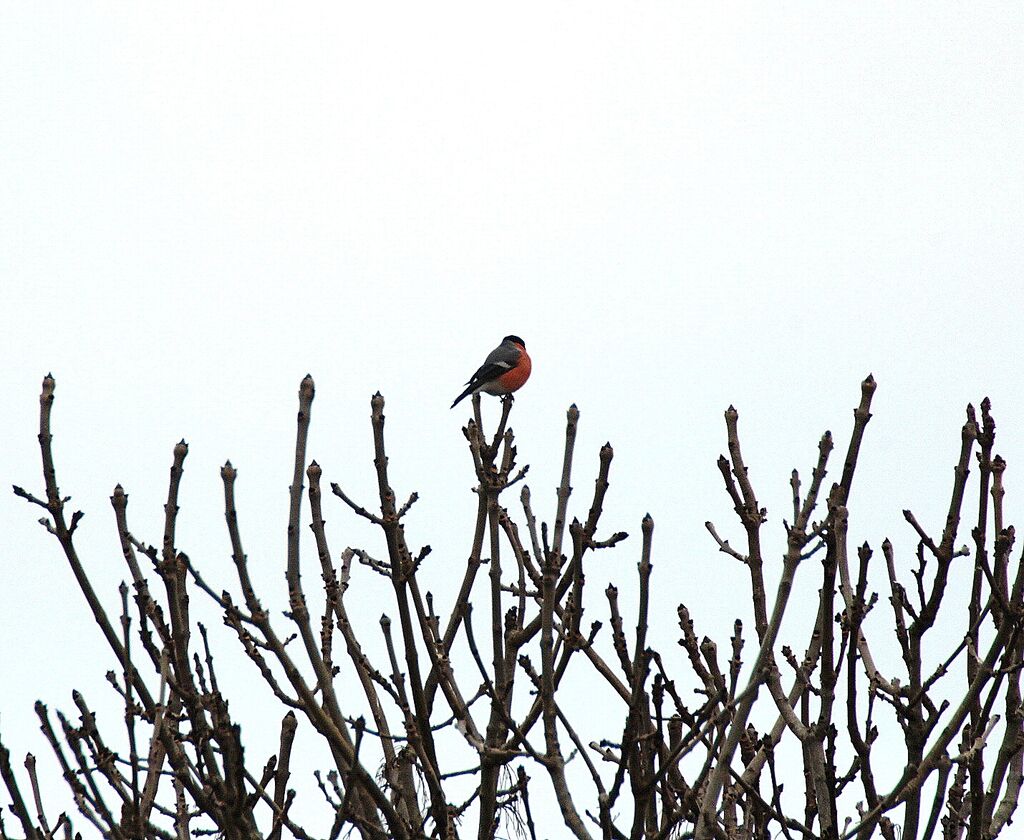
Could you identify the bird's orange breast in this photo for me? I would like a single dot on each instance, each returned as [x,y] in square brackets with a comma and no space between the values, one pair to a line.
[514,379]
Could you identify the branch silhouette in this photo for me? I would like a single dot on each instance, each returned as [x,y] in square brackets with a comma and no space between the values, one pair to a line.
[449,720]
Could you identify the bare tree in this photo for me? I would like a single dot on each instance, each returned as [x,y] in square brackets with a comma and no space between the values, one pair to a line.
[417,752]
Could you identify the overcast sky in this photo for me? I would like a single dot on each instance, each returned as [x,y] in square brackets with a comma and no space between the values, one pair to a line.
[678,206]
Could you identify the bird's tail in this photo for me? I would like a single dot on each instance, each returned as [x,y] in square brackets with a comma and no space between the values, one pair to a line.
[462,396]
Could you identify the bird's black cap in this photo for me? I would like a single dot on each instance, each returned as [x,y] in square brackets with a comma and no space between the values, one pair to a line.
[515,339]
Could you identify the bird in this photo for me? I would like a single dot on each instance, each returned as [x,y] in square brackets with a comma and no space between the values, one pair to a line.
[506,369]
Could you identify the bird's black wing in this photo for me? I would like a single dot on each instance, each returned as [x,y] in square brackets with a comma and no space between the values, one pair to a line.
[488,371]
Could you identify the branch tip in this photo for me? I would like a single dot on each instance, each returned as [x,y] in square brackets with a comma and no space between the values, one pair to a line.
[119,499]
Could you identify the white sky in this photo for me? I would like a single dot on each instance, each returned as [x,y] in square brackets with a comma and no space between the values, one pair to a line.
[677,207]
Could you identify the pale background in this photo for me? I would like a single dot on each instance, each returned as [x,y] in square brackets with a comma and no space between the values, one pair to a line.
[677,206]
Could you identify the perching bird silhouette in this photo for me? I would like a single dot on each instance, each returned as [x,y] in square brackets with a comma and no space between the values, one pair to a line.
[506,369]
